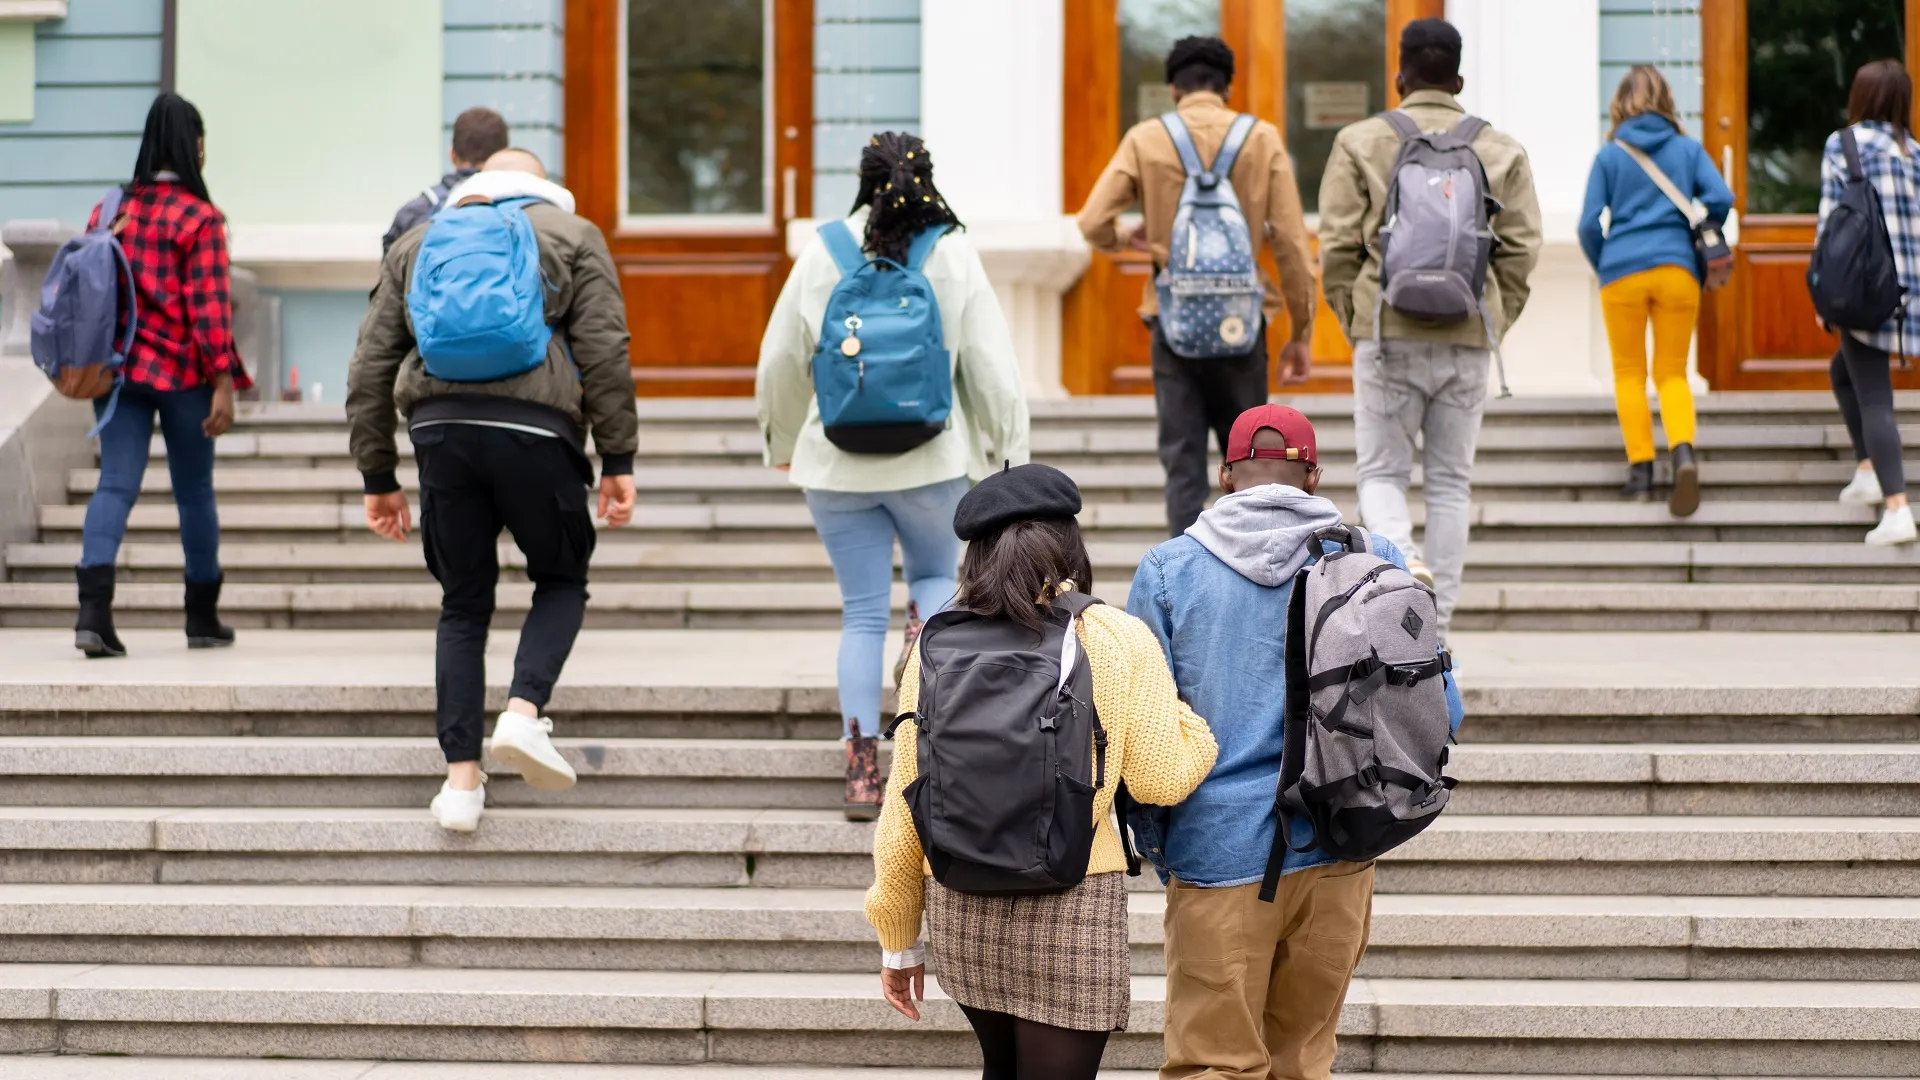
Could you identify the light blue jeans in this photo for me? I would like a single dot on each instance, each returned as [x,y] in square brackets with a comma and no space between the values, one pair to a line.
[858,529]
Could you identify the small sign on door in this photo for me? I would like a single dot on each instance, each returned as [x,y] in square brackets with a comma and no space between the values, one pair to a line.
[1330,105]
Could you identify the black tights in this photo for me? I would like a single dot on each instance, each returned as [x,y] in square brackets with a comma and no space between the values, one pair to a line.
[1863,385]
[1017,1049]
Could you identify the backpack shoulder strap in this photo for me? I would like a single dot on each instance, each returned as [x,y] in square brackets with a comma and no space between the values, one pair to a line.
[1402,122]
[1851,147]
[1662,181]
[1230,149]
[1293,730]
[109,208]
[1182,143]
[842,246]
[1076,603]
[922,247]
[1469,129]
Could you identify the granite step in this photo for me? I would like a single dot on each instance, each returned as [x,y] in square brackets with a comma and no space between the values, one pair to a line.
[824,930]
[74,1067]
[1410,1025]
[1712,780]
[1459,853]
[1529,606]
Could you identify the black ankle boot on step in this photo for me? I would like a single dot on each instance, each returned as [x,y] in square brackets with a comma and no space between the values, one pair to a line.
[1686,482]
[93,631]
[204,628]
[1639,485]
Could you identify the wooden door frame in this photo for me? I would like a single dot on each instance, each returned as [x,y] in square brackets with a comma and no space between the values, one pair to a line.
[593,168]
[1090,103]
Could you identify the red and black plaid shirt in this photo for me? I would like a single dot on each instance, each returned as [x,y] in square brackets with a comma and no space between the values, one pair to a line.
[177,243]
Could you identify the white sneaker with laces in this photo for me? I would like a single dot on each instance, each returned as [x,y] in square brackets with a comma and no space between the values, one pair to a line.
[1896,527]
[521,743]
[1863,489]
[459,811]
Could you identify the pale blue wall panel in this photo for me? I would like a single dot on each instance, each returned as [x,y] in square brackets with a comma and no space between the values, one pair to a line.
[856,10]
[889,95]
[318,328]
[68,204]
[87,110]
[99,61]
[866,79]
[849,46]
[501,12]
[503,51]
[533,101]
[94,17]
[509,56]
[52,159]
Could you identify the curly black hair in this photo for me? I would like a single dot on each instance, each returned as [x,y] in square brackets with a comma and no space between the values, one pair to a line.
[896,181]
[1200,63]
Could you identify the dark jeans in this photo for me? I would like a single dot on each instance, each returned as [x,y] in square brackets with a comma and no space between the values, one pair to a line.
[124,446]
[1193,398]
[475,481]
[1863,385]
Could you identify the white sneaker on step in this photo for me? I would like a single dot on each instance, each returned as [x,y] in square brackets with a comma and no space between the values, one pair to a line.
[1863,489]
[1896,527]
[459,811]
[521,743]
[1420,572]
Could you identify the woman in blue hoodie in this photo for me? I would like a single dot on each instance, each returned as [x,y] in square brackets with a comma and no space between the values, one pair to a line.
[1650,273]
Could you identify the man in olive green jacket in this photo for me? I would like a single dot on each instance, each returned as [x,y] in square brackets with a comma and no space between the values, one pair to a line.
[1414,378]
[503,454]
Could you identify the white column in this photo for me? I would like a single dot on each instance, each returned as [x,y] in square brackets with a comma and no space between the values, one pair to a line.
[1532,69]
[990,111]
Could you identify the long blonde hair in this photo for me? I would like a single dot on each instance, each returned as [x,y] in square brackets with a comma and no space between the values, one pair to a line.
[1644,90]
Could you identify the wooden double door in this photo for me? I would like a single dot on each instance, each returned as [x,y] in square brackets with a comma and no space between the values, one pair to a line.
[1776,77]
[1309,66]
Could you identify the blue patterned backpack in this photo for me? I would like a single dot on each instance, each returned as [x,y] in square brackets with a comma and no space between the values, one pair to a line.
[1210,292]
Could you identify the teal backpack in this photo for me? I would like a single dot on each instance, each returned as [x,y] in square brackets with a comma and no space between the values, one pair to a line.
[477,299]
[881,374]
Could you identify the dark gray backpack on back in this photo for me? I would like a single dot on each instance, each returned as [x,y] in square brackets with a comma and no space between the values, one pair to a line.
[1436,237]
[1367,726]
[1010,752]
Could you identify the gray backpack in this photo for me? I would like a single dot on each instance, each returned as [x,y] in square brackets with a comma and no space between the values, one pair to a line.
[1366,712]
[1437,240]
[75,335]
[1210,291]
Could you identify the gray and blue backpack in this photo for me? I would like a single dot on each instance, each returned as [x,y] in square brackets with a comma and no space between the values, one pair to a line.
[75,336]
[1210,292]
[882,375]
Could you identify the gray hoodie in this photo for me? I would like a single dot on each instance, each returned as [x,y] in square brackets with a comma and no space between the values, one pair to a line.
[1262,532]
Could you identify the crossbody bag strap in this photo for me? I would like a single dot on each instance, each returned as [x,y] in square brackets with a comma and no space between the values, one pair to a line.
[1694,215]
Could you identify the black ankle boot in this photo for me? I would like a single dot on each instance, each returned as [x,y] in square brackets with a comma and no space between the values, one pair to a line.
[204,628]
[93,631]
[1639,485]
[1686,482]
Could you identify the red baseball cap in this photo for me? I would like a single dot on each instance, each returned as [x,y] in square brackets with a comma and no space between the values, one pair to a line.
[1292,424]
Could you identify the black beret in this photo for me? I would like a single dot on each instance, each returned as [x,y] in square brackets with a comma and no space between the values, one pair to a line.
[1017,494]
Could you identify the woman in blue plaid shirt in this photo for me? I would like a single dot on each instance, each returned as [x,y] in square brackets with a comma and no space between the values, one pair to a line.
[1878,108]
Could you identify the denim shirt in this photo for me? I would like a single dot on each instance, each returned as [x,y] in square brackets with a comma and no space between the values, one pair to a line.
[1225,639]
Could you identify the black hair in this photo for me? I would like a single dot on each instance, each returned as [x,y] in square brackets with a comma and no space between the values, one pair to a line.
[171,143]
[1200,63]
[1430,52]
[896,181]
[1004,575]
[478,134]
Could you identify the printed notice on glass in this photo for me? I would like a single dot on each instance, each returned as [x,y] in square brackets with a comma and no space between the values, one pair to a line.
[1330,105]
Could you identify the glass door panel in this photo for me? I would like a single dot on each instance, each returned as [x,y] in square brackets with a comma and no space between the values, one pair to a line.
[697,103]
[1148,29]
[1336,74]
[1801,58]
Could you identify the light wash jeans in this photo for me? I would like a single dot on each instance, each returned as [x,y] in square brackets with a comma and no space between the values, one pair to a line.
[1404,389]
[858,529]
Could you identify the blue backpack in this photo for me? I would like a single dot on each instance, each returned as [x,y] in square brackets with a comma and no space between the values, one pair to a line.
[1210,291]
[75,335]
[478,300]
[881,374]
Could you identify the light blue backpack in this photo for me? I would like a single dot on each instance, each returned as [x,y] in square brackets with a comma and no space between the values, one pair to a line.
[881,374]
[1210,291]
[75,335]
[478,300]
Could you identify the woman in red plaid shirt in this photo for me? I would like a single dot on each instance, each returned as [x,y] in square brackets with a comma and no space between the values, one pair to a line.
[182,370]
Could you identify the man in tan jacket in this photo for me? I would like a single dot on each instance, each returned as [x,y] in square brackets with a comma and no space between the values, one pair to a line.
[1195,396]
[1413,378]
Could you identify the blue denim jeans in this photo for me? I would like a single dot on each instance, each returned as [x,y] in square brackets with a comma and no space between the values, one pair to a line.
[124,445]
[858,529]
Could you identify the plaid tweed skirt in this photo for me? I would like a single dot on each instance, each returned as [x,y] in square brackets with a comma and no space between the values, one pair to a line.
[1058,959]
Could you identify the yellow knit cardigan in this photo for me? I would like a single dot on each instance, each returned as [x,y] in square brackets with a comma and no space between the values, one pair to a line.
[1154,742]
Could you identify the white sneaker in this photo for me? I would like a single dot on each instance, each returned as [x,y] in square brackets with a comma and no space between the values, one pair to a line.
[521,743]
[459,811]
[1863,489]
[1420,572]
[1896,527]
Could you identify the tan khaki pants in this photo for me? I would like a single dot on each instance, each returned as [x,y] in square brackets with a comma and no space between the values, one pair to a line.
[1254,990]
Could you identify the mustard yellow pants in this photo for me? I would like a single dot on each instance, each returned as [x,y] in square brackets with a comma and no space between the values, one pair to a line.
[1669,298]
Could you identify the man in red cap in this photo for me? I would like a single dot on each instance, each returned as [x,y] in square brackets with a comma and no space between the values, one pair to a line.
[1216,598]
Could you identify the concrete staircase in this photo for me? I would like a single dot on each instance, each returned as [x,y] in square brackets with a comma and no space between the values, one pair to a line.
[1678,854]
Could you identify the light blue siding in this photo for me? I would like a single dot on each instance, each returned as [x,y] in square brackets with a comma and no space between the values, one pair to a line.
[97,61]
[866,79]
[874,10]
[87,18]
[86,110]
[318,328]
[504,51]
[1664,33]
[509,55]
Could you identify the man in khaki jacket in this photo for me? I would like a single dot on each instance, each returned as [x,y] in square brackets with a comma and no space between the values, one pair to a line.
[1195,396]
[1412,378]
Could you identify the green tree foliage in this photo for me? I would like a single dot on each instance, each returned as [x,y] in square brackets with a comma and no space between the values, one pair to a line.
[1801,56]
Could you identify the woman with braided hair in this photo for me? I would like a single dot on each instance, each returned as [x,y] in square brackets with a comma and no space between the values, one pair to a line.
[862,502]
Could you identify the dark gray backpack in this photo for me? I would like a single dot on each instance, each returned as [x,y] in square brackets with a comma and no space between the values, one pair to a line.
[1366,718]
[1010,752]
[1436,240]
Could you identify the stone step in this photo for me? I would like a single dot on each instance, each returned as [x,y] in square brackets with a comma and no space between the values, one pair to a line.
[1517,606]
[805,560]
[1415,1025]
[92,1067]
[824,930]
[1870,779]
[1459,853]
